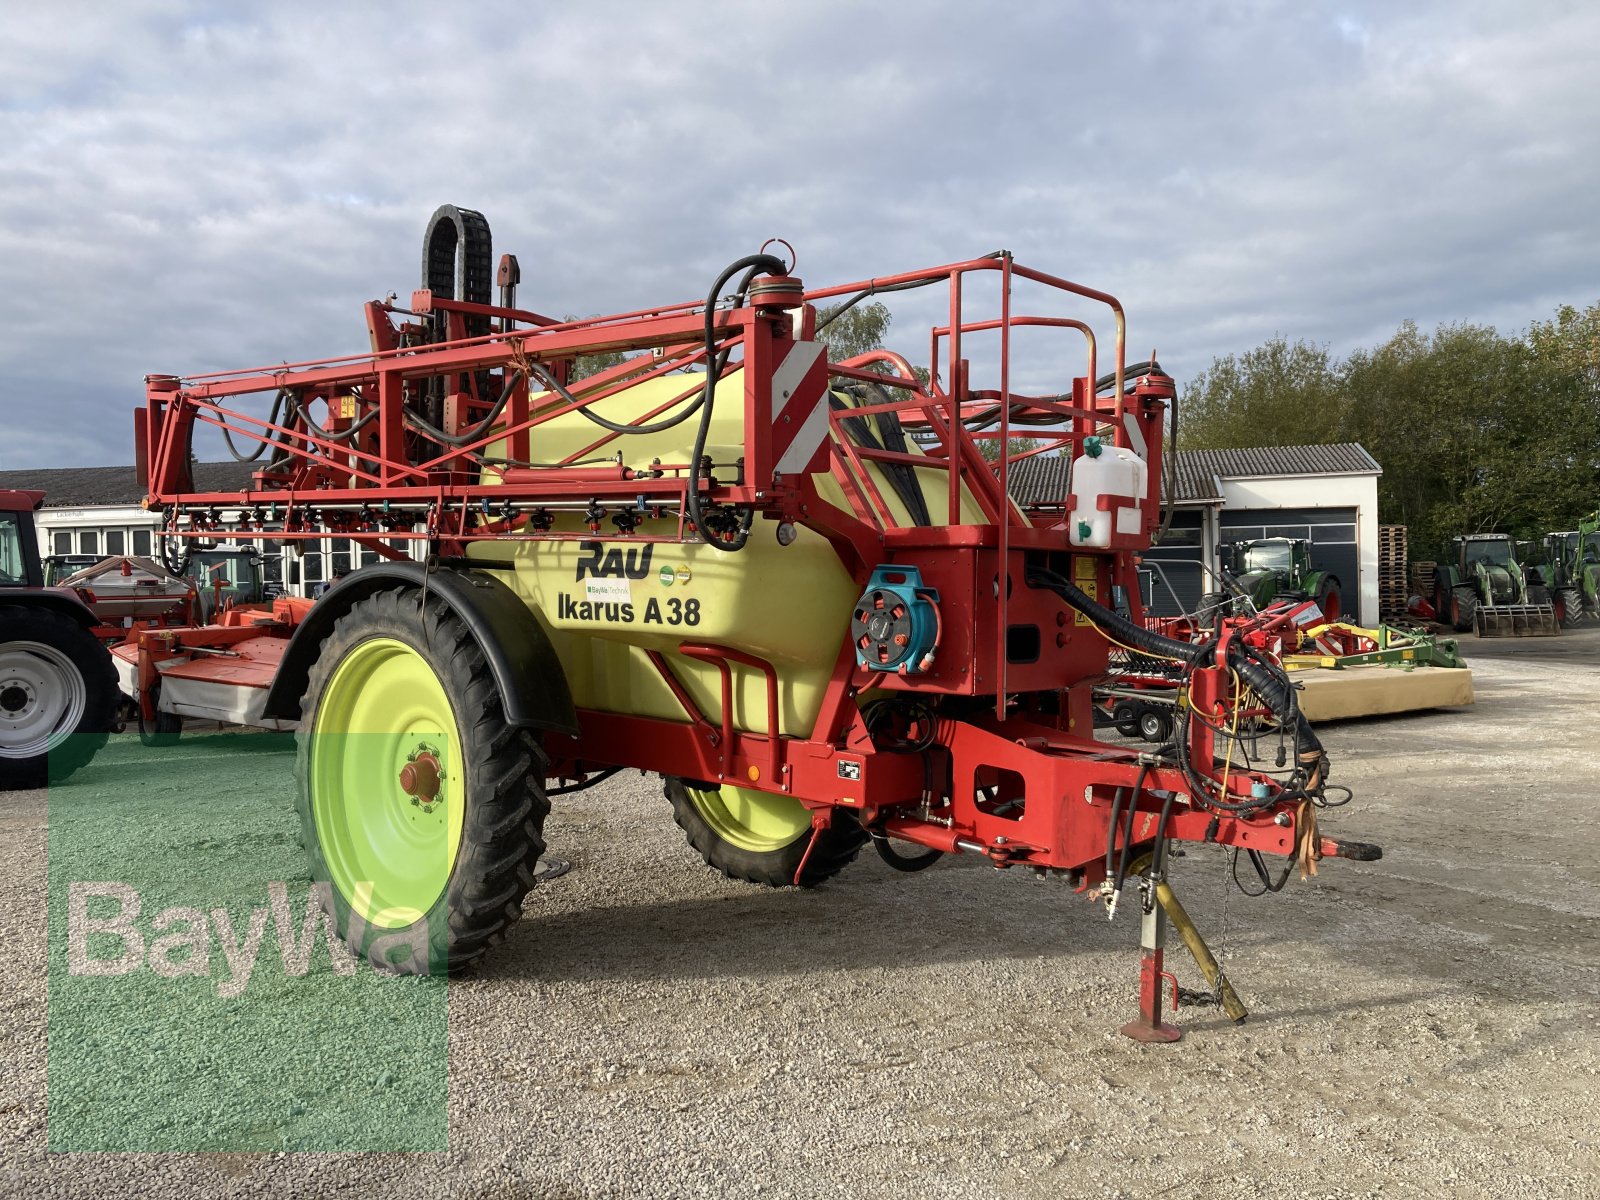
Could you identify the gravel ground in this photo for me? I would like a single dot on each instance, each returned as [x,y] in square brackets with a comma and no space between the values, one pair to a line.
[1424,1025]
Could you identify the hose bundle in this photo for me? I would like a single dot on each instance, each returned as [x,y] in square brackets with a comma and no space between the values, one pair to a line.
[1262,676]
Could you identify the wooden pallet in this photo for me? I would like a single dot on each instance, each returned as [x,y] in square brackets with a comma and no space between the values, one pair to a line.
[1394,586]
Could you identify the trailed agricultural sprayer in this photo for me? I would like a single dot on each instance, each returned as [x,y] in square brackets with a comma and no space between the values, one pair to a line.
[722,559]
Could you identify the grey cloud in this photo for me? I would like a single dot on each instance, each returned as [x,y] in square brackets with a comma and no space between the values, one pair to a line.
[183,189]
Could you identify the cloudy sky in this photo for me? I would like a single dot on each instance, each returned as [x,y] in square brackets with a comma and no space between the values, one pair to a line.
[187,187]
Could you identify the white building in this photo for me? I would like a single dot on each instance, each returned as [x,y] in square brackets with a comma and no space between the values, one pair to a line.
[97,510]
[1325,494]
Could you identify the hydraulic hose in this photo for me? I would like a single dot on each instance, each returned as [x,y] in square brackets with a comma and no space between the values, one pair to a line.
[1267,682]
[751,264]
[466,436]
[261,446]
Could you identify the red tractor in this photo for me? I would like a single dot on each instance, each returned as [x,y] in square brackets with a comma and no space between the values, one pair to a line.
[58,691]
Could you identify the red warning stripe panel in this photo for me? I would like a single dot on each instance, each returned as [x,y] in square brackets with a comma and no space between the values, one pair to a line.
[800,410]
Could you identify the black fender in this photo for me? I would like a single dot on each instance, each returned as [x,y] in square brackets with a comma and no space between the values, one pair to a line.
[62,600]
[533,687]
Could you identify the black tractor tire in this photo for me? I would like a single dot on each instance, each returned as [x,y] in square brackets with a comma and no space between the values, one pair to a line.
[1569,607]
[167,726]
[1212,607]
[1125,717]
[1441,596]
[1539,594]
[836,846]
[1155,724]
[1463,607]
[1330,599]
[58,696]
[504,801]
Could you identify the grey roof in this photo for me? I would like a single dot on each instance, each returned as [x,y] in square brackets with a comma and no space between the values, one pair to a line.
[1042,481]
[1272,462]
[79,487]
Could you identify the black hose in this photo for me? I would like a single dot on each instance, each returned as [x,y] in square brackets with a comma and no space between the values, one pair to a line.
[874,289]
[466,436]
[272,419]
[581,407]
[343,435]
[909,863]
[1127,831]
[1268,682]
[751,264]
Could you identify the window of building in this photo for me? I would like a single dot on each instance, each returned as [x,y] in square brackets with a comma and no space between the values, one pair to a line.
[114,541]
[61,540]
[141,542]
[1333,533]
[88,541]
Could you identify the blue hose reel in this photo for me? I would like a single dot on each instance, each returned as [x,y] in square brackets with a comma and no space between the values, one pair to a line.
[896,622]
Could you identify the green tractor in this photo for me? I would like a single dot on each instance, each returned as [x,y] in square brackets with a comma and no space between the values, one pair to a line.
[1573,566]
[1487,588]
[1263,570]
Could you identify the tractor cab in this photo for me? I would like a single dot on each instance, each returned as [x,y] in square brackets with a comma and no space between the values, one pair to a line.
[1268,567]
[19,548]
[227,576]
[1491,558]
[1489,549]
[59,566]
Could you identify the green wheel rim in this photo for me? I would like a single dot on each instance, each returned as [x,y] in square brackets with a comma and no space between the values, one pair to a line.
[389,852]
[757,821]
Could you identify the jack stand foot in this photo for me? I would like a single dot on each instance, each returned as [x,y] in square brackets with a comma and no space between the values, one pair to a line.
[1140,1032]
[1153,977]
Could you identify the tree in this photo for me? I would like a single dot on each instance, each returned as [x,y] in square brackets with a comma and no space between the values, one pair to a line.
[1280,394]
[990,447]
[1475,431]
[857,330]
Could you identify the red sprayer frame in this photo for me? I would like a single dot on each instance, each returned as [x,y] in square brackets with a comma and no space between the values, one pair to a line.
[1008,766]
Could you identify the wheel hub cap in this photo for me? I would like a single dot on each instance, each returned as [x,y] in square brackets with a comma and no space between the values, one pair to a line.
[42,698]
[422,777]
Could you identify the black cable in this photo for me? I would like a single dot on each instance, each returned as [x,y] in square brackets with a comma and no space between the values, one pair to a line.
[1268,884]
[1268,682]
[902,478]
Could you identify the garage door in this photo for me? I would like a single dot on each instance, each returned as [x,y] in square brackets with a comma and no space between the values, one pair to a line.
[1177,581]
[1331,532]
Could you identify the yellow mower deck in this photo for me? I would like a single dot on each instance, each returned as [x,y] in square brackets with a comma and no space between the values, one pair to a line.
[1372,691]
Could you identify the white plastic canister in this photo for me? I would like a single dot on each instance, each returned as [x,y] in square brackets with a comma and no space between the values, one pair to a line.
[1103,470]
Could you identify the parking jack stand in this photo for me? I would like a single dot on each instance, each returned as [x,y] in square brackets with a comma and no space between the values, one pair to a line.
[1153,977]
